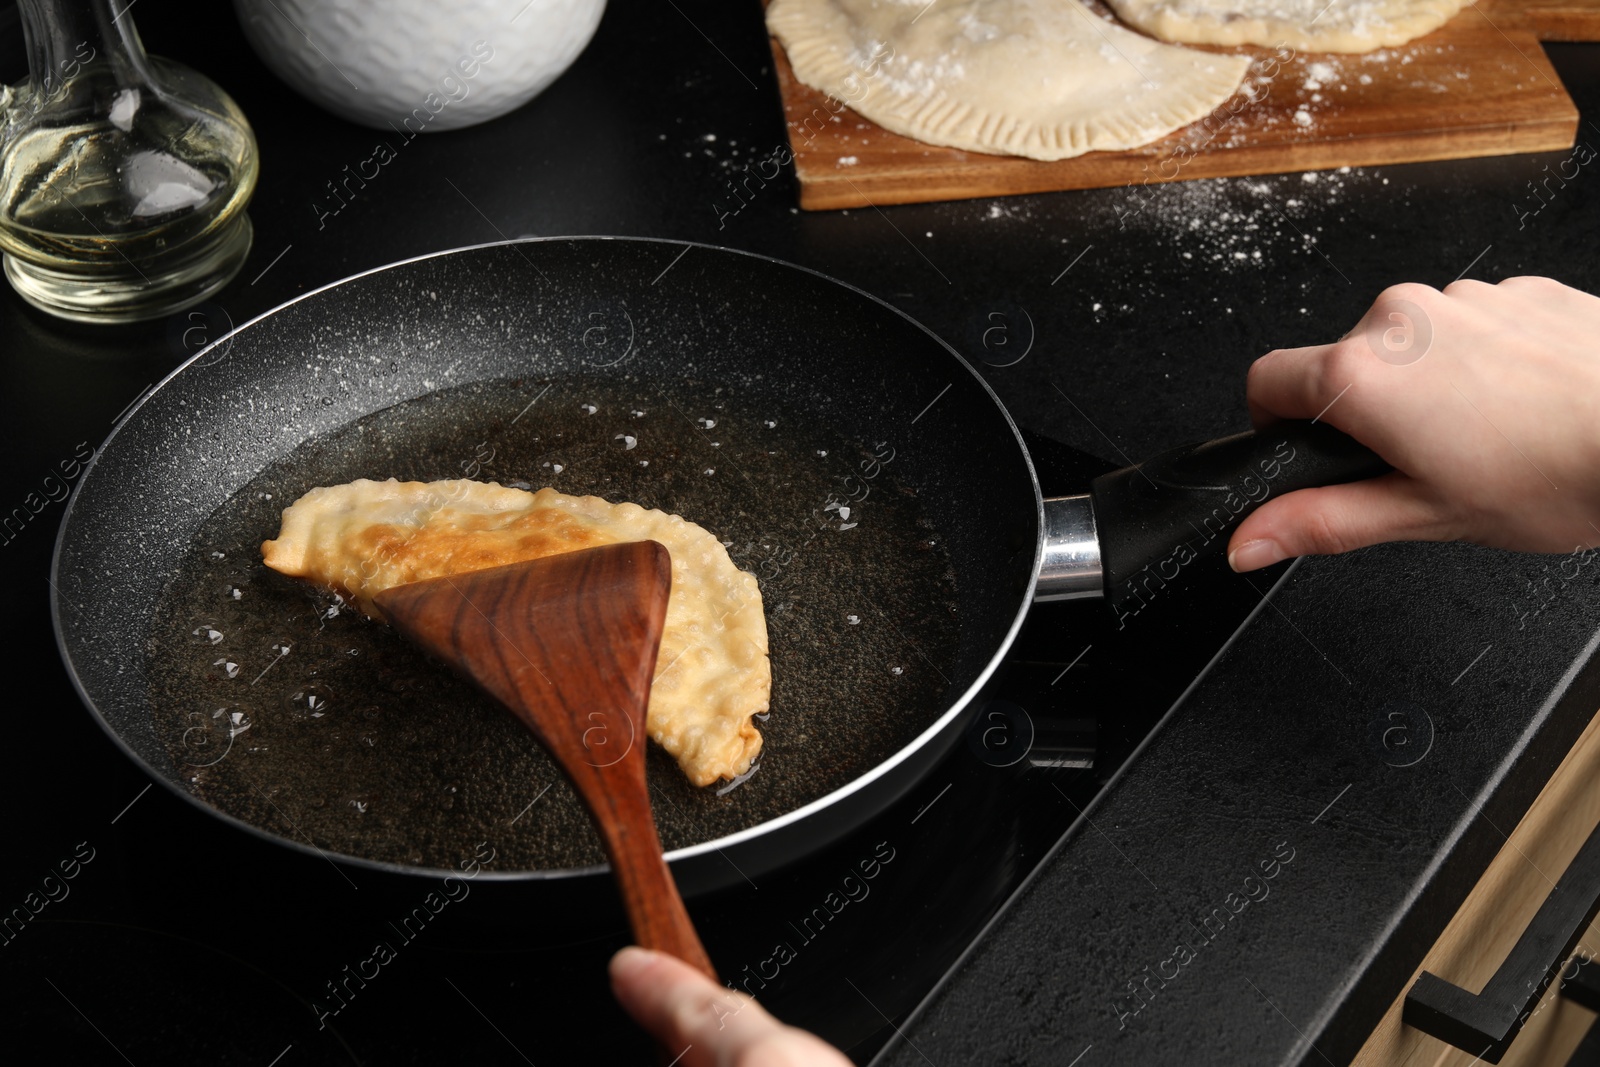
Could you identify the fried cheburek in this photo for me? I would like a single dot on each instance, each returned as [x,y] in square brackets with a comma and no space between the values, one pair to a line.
[712,677]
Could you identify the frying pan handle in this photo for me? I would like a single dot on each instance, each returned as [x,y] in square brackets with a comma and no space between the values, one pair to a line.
[1156,517]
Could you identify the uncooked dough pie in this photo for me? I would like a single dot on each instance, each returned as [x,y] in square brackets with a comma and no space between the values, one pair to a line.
[1047,79]
[1306,25]
[712,676]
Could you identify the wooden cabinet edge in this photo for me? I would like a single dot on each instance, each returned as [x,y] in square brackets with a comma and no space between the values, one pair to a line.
[1482,932]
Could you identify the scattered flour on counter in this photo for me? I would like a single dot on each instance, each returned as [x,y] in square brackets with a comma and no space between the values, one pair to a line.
[1236,224]
[848,161]
[1019,209]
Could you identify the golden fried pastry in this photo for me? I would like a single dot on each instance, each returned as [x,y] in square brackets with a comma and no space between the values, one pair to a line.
[712,673]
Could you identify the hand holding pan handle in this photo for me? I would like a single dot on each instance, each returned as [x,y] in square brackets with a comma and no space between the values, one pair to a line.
[1138,527]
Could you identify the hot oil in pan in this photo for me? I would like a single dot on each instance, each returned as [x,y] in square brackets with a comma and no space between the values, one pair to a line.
[294,713]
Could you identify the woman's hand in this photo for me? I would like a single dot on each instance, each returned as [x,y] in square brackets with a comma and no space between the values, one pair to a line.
[1484,398]
[706,1024]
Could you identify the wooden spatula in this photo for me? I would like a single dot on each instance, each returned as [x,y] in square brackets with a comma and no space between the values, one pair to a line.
[569,644]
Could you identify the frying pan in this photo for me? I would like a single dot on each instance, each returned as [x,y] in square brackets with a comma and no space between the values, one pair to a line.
[849,457]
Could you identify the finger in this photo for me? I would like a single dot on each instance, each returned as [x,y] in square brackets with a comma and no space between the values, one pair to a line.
[1551,294]
[680,1007]
[1287,384]
[706,1024]
[1338,518]
[1306,383]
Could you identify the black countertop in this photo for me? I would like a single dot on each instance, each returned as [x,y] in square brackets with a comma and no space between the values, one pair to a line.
[1141,344]
[1303,825]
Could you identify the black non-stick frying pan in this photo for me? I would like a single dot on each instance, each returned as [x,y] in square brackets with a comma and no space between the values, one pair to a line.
[843,453]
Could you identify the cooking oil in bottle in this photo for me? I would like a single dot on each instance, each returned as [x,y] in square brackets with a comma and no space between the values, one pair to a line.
[123,178]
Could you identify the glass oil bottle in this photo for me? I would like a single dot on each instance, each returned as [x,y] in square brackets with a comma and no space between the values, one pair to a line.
[123,177]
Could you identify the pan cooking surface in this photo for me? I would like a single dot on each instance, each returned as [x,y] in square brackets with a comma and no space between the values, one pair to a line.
[372,377]
[295,714]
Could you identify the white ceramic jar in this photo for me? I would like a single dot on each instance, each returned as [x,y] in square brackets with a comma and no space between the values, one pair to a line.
[418,66]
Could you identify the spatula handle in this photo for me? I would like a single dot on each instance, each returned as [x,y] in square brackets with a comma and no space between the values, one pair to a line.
[650,896]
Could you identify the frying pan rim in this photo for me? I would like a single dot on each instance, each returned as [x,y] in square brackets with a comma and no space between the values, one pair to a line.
[906,751]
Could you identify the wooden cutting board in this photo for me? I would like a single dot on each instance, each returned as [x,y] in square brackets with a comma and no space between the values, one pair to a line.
[1478,86]
[1560,20]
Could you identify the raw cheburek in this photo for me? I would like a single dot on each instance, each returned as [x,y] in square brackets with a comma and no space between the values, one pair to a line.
[1046,79]
[1305,25]
[713,675]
